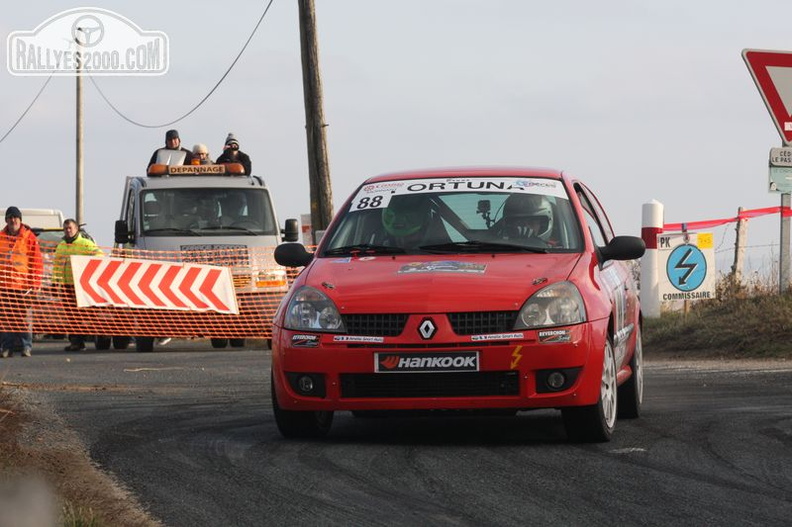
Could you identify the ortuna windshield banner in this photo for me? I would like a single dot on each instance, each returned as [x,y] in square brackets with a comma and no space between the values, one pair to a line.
[87,41]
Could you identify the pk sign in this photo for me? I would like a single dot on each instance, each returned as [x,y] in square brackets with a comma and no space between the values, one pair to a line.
[772,73]
[687,266]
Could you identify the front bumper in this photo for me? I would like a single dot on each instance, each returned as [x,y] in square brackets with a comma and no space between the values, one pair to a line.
[524,370]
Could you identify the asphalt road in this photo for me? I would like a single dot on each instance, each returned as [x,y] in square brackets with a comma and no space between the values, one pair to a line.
[190,430]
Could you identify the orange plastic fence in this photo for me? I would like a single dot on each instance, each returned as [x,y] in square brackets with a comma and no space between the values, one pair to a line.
[259,285]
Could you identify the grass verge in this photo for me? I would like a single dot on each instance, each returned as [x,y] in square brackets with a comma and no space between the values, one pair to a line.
[43,463]
[742,323]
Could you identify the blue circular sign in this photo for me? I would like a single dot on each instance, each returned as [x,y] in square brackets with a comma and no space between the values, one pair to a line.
[686,267]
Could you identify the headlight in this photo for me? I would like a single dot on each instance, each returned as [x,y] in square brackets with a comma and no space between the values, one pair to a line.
[311,310]
[555,305]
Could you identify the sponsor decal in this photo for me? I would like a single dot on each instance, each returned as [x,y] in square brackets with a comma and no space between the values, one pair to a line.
[305,341]
[426,362]
[342,260]
[443,266]
[378,195]
[497,336]
[516,356]
[553,336]
[358,338]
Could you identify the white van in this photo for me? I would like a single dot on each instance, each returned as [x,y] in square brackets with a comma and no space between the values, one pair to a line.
[187,209]
[41,218]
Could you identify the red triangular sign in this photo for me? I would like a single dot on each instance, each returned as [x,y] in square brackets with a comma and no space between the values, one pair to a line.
[772,73]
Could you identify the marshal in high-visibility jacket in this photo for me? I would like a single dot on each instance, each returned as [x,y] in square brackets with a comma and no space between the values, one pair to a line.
[69,245]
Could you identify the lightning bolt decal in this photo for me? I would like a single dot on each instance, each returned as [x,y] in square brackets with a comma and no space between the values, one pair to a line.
[516,356]
[689,268]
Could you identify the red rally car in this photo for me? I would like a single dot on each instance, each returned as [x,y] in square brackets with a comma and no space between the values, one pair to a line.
[462,289]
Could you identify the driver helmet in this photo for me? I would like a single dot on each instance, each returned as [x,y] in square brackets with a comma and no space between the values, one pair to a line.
[519,209]
[405,215]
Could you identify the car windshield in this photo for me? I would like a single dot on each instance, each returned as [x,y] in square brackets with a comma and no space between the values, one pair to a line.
[207,212]
[457,216]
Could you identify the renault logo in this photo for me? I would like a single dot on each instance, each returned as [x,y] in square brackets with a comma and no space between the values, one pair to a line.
[427,328]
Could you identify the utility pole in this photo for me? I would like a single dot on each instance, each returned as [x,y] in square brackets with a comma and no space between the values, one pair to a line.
[739,247]
[79,154]
[318,167]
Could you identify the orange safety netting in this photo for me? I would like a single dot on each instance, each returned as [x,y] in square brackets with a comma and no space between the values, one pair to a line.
[259,285]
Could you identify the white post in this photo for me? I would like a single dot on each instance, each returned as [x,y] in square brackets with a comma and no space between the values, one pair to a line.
[651,226]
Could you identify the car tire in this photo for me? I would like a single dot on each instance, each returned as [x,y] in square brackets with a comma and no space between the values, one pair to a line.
[631,392]
[144,344]
[237,343]
[121,343]
[595,423]
[102,343]
[300,425]
[219,343]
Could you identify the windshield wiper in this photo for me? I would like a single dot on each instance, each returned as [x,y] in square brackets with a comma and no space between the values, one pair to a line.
[363,248]
[478,246]
[174,230]
[243,230]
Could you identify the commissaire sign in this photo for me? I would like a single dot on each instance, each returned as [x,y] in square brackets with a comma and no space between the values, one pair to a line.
[687,266]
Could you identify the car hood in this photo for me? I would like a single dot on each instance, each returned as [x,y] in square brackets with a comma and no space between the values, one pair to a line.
[431,284]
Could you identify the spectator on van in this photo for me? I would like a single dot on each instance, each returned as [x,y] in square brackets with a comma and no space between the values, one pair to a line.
[73,242]
[21,267]
[201,155]
[232,154]
[172,153]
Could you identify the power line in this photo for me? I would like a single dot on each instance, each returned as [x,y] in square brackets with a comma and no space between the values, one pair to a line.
[27,109]
[200,103]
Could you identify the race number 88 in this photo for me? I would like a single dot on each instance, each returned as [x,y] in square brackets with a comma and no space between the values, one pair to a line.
[369,203]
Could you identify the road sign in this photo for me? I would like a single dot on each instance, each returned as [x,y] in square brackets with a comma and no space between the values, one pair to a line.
[772,73]
[687,266]
[151,284]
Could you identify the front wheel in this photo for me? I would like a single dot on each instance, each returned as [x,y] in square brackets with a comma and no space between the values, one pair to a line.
[595,423]
[102,343]
[237,343]
[631,392]
[300,425]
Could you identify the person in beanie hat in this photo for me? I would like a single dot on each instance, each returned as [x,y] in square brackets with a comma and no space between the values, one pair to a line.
[21,267]
[232,154]
[201,155]
[173,153]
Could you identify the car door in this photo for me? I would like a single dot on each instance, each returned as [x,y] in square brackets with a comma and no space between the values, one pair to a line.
[616,275]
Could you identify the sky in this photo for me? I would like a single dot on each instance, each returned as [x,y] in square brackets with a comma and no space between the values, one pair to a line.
[641,100]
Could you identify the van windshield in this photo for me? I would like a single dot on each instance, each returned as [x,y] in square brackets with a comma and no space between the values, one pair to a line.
[206,211]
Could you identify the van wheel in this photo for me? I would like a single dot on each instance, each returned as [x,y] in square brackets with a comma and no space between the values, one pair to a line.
[102,343]
[121,343]
[237,343]
[219,343]
[144,344]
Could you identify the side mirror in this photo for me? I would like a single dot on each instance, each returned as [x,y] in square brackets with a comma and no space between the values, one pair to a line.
[291,232]
[122,232]
[292,255]
[623,248]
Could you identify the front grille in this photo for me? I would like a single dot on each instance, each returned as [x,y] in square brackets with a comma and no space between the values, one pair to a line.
[388,325]
[403,385]
[482,322]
